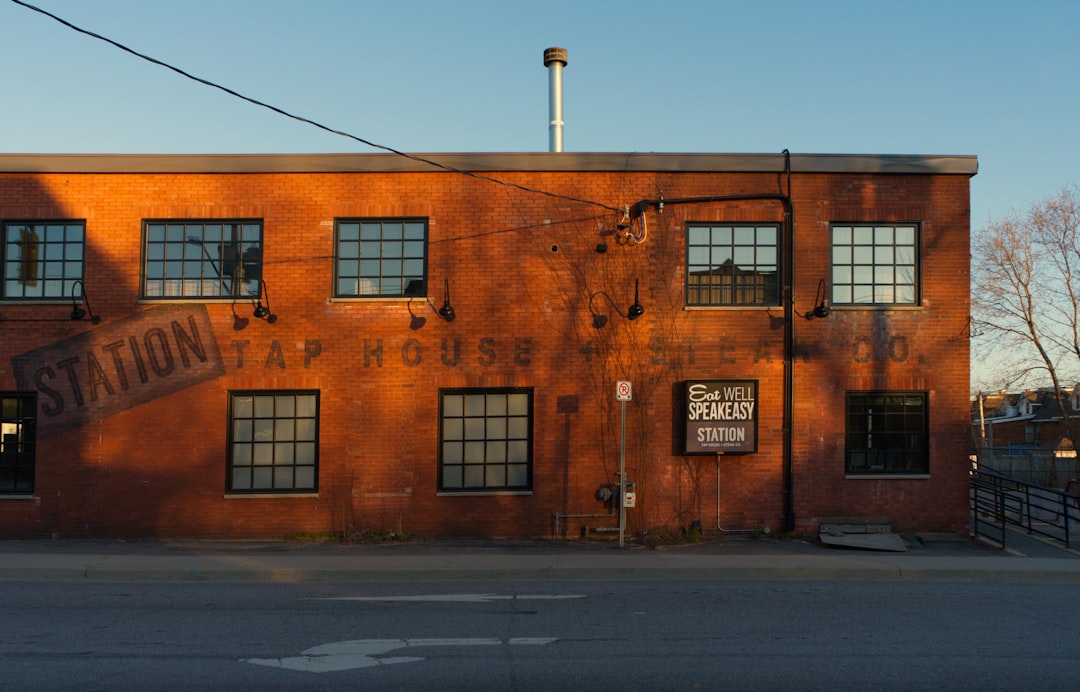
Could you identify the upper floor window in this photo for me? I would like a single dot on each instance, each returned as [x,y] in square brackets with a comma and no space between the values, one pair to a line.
[887,433]
[486,440]
[42,259]
[733,264]
[273,441]
[875,264]
[190,258]
[380,257]
[18,411]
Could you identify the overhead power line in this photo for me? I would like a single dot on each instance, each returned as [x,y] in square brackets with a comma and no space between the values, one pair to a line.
[279,111]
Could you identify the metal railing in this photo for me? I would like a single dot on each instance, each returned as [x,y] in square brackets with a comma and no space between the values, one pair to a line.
[999,501]
[1043,467]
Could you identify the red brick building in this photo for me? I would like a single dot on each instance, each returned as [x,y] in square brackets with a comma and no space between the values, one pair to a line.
[276,344]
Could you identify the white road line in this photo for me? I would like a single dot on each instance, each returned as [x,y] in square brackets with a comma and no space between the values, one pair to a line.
[366,653]
[455,598]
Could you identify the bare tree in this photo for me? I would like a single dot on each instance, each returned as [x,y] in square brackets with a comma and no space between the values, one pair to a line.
[1026,296]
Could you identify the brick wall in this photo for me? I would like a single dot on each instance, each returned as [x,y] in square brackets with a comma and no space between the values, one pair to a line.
[521,268]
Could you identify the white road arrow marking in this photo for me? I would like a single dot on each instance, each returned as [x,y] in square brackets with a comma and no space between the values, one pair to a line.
[456,598]
[365,653]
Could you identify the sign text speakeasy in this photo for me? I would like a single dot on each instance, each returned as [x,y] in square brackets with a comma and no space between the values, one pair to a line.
[721,417]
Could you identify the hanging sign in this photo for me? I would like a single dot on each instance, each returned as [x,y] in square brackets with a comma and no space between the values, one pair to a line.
[721,416]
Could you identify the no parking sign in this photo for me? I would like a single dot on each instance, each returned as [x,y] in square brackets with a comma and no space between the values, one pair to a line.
[622,391]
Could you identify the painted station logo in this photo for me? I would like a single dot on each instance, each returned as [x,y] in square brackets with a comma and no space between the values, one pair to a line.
[119,365]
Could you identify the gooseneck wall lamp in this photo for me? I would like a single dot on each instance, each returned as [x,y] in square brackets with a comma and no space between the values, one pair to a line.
[821,303]
[77,313]
[262,312]
[415,289]
[447,310]
[635,311]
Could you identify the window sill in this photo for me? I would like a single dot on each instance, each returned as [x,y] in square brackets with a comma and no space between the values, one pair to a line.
[18,497]
[12,302]
[264,496]
[885,476]
[205,300]
[480,493]
[376,299]
[844,307]
[710,308]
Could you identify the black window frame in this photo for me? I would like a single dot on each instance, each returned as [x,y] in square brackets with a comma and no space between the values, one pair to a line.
[887,433]
[32,253]
[18,410]
[736,270]
[461,447]
[873,259]
[273,439]
[211,267]
[399,270]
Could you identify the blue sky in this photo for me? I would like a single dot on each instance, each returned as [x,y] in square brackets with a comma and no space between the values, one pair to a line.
[986,77]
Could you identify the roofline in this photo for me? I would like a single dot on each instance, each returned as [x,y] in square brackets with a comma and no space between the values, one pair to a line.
[490,162]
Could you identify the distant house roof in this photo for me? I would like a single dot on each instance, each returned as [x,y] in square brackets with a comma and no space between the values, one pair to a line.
[1036,405]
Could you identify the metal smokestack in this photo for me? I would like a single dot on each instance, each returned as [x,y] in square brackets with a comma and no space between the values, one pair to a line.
[555,61]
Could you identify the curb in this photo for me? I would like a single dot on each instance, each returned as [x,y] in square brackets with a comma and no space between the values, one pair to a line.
[1028,571]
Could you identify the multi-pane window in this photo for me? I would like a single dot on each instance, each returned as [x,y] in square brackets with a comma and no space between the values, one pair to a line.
[733,264]
[273,441]
[17,426]
[887,433]
[380,257]
[486,439]
[202,258]
[42,259]
[875,264]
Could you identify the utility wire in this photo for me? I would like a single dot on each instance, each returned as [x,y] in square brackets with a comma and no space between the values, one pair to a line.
[302,119]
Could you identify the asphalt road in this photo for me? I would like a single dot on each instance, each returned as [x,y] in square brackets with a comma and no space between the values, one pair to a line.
[546,634]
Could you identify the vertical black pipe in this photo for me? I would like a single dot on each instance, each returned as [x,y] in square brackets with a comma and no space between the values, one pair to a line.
[789,349]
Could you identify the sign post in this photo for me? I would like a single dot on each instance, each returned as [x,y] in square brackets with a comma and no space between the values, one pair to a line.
[623,392]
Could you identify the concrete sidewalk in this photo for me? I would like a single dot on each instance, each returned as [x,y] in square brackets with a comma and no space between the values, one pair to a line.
[931,557]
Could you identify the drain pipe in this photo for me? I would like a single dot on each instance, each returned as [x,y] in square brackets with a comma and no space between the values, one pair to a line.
[555,61]
[788,289]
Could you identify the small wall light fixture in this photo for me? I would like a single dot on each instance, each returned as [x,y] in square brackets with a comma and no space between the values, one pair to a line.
[635,311]
[415,289]
[262,312]
[77,313]
[446,311]
[821,303]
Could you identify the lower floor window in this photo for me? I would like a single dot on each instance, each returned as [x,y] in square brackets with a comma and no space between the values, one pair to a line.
[887,432]
[17,426]
[273,441]
[486,437]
